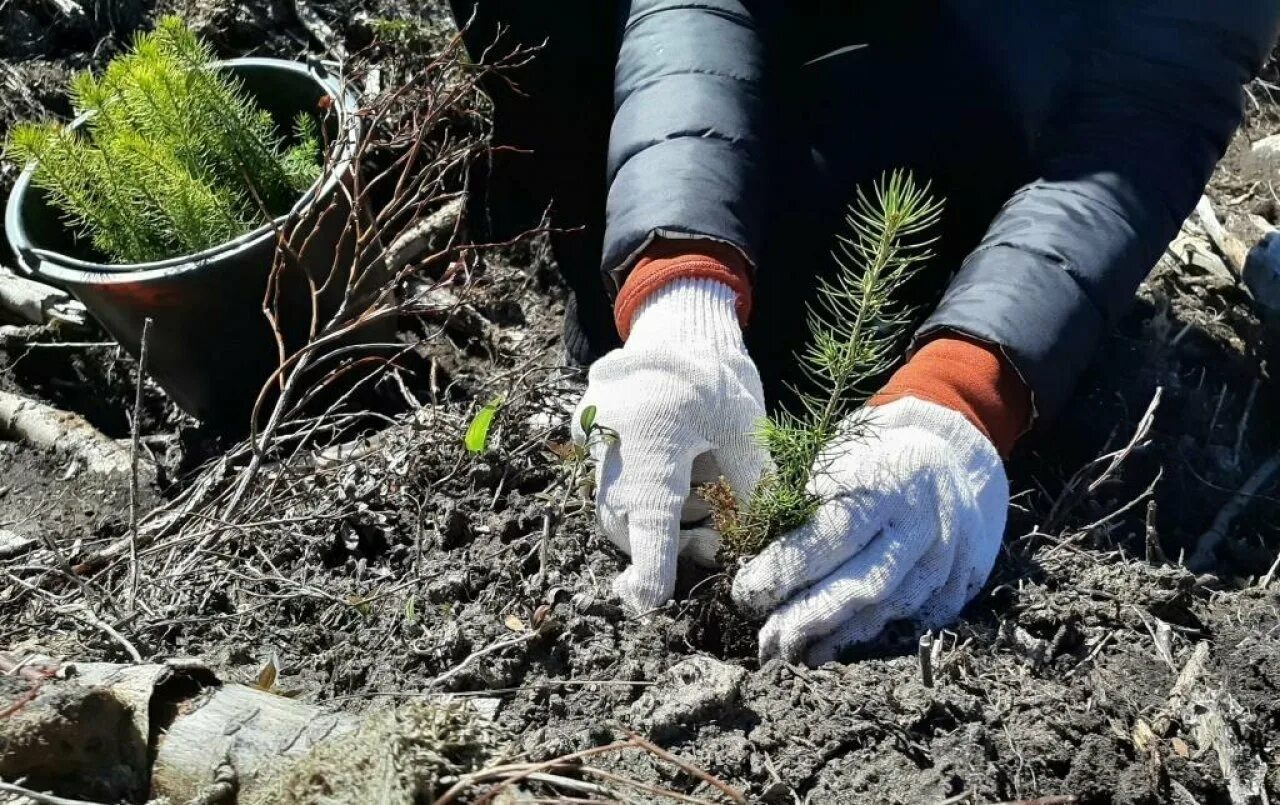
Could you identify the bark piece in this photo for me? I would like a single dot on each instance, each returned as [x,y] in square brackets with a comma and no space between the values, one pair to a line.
[1214,721]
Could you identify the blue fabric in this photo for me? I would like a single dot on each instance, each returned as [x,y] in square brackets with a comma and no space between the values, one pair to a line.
[686,150]
[1149,106]
[1069,138]
[1124,105]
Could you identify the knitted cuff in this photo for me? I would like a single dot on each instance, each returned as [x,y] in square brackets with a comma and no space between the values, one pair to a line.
[667,260]
[970,377]
[688,311]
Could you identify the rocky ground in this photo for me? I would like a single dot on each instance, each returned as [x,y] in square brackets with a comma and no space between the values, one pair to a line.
[1111,659]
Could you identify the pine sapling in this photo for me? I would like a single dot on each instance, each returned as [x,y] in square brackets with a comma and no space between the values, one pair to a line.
[856,329]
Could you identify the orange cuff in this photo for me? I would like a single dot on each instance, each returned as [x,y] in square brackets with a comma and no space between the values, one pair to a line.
[667,260]
[970,377]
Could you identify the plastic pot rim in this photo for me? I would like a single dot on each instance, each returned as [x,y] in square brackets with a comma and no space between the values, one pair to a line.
[66,269]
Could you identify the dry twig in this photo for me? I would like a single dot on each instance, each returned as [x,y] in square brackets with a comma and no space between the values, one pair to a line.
[133,463]
[1080,485]
[502,777]
[82,613]
[37,796]
[1202,558]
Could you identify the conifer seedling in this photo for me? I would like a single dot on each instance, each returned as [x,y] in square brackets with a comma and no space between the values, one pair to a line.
[856,329]
[176,156]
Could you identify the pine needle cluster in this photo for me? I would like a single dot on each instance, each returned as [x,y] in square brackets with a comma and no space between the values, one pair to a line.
[856,327]
[176,156]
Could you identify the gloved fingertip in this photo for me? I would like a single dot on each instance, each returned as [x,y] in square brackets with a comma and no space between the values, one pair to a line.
[639,594]
[753,589]
[829,649]
[769,638]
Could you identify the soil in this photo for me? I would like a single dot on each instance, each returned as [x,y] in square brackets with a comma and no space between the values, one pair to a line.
[367,578]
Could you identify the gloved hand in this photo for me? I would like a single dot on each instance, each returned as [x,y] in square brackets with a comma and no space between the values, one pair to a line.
[684,399]
[913,516]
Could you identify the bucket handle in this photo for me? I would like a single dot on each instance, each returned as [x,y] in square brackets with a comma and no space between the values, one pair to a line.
[28,260]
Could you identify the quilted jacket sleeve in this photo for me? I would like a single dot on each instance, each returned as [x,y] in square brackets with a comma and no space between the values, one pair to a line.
[686,146]
[1152,102]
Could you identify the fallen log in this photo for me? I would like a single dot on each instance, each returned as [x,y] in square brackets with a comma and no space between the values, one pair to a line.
[174,730]
[110,720]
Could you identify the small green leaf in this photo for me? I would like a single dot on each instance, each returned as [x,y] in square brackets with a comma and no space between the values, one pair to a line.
[411,610]
[477,437]
[588,419]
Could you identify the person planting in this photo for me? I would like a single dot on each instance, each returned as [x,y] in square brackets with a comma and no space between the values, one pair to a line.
[703,155]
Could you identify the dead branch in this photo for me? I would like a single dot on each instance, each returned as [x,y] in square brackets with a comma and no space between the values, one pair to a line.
[502,777]
[34,302]
[320,30]
[48,428]
[82,613]
[493,648]
[12,544]
[1202,559]
[163,520]
[714,782]
[1232,250]
[68,8]
[425,235]
[1088,479]
[1140,434]
[410,124]
[43,799]
[664,793]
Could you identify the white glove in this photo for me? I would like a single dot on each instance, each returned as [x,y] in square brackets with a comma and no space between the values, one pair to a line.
[912,521]
[684,399]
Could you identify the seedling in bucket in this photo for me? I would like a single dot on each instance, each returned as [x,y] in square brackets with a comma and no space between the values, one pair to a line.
[174,156]
[203,195]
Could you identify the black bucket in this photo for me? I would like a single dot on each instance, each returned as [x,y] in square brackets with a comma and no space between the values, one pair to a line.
[211,346]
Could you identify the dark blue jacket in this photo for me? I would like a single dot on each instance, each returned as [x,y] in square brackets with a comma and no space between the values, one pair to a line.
[1148,102]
